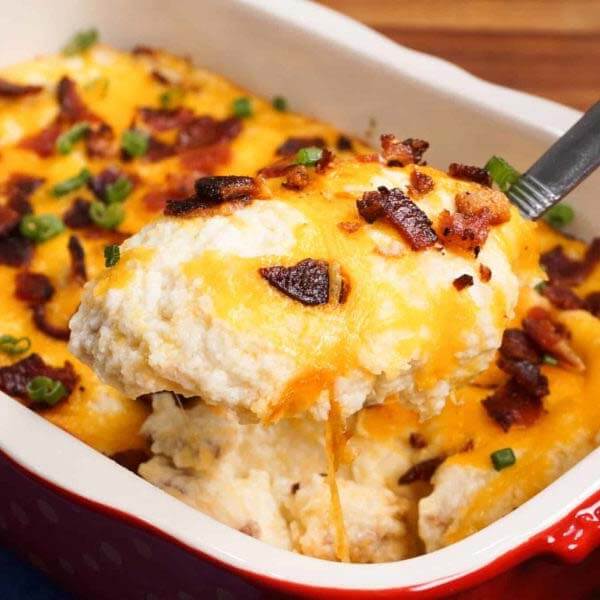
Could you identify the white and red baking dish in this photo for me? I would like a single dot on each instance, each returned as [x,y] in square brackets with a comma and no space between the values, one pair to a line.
[105,533]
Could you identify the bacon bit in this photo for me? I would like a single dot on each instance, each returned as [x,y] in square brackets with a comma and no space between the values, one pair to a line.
[8,89]
[517,346]
[277,169]
[485,273]
[350,226]
[110,236]
[176,188]
[567,271]
[325,161]
[368,158]
[527,375]
[206,159]
[100,142]
[297,178]
[78,215]
[551,337]
[41,322]
[463,281]
[344,144]
[417,440]
[462,231]
[395,152]
[18,188]
[160,77]
[511,405]
[291,146]
[418,148]
[164,119]
[592,303]
[72,107]
[77,256]
[33,288]
[14,378]
[562,297]
[98,183]
[131,459]
[420,183]
[15,250]
[9,219]
[307,281]
[43,143]
[400,212]
[470,173]
[206,131]
[478,202]
[159,150]
[422,471]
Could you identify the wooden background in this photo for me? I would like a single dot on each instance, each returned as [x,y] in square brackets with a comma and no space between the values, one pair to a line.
[547,47]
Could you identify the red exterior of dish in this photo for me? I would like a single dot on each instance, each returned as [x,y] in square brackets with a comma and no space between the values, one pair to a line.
[101,554]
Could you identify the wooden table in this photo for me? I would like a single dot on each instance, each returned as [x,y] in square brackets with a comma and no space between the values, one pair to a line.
[546,47]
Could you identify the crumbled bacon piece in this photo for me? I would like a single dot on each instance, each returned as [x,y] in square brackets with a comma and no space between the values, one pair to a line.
[512,405]
[131,459]
[592,303]
[33,288]
[417,440]
[296,178]
[470,173]
[9,219]
[77,216]
[72,107]
[402,153]
[293,144]
[325,161]
[422,471]
[277,169]
[176,187]
[8,89]
[562,297]
[14,378]
[160,77]
[463,281]
[98,183]
[159,150]
[100,142]
[418,148]
[526,375]
[207,131]
[40,320]
[164,119]
[77,257]
[466,232]
[400,212]
[43,142]
[15,250]
[344,144]
[517,346]
[420,183]
[18,188]
[485,273]
[491,202]
[567,271]
[307,281]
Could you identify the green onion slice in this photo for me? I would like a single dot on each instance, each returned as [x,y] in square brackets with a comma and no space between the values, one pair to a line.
[242,108]
[280,103]
[46,390]
[40,228]
[108,216]
[73,183]
[134,142]
[540,287]
[309,156]
[548,359]
[560,215]
[119,190]
[503,174]
[503,458]
[80,42]
[65,142]
[9,344]
[112,255]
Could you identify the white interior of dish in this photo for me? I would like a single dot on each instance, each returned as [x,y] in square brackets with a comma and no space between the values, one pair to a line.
[335,69]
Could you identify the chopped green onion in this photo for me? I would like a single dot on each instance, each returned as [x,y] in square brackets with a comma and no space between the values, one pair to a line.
[73,183]
[242,108]
[309,156]
[9,344]
[46,390]
[107,216]
[41,228]
[81,41]
[503,458]
[548,359]
[280,103]
[171,98]
[112,255]
[540,287]
[560,215]
[134,142]
[119,190]
[503,174]
[65,142]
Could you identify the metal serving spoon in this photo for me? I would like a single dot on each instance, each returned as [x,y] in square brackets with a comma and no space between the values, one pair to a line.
[561,168]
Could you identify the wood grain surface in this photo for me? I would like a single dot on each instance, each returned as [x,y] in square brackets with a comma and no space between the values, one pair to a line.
[546,47]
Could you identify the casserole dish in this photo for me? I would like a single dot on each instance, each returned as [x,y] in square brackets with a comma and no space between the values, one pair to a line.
[473,128]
